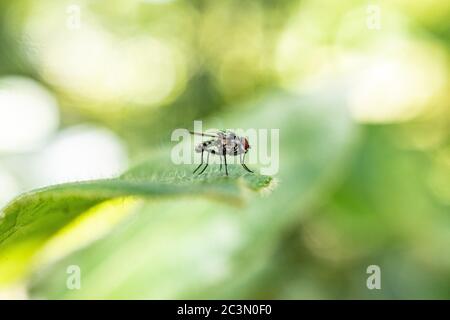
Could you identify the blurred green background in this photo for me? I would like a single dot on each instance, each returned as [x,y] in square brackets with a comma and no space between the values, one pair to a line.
[359,91]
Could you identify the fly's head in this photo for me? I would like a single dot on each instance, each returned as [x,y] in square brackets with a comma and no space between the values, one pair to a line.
[246,144]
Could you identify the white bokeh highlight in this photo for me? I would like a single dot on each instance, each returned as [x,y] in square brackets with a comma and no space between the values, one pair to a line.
[80,153]
[28,115]
[9,187]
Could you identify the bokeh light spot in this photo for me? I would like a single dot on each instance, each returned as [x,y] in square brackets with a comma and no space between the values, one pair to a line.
[9,187]
[81,153]
[28,114]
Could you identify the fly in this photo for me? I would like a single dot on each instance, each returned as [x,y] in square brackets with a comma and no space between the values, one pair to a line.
[223,144]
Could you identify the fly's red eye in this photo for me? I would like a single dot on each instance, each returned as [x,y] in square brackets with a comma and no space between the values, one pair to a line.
[246,145]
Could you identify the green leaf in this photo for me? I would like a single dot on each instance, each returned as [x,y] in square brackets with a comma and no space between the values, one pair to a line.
[34,217]
[197,248]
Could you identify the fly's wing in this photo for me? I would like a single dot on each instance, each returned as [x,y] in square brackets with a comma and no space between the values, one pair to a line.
[203,134]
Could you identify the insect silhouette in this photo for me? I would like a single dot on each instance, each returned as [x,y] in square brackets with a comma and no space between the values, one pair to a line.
[223,144]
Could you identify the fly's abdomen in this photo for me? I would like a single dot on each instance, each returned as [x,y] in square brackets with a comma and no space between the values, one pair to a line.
[204,146]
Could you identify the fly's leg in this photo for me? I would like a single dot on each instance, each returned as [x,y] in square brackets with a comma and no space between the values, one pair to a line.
[244,165]
[204,146]
[207,163]
[201,163]
[220,169]
[225,158]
